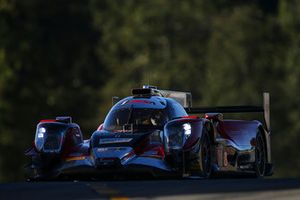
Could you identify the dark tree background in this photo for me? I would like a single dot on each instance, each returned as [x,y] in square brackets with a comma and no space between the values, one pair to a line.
[64,57]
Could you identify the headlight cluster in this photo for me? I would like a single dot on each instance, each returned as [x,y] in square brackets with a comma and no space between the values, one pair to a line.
[176,135]
[39,138]
[187,130]
[49,137]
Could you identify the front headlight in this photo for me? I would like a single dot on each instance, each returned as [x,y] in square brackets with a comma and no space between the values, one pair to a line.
[187,130]
[49,137]
[39,138]
[176,135]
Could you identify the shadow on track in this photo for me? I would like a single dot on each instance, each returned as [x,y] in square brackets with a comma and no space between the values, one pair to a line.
[152,188]
[148,188]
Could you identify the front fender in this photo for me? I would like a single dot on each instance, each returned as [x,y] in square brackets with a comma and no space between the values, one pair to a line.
[176,137]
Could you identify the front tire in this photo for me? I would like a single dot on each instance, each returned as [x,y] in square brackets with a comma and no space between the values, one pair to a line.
[205,155]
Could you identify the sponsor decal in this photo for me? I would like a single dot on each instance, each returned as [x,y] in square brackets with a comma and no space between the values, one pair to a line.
[102,149]
[114,140]
[111,149]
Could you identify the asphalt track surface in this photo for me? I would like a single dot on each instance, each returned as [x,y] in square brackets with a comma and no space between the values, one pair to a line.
[237,189]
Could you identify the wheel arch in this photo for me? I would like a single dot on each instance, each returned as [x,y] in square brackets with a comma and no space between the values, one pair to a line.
[210,129]
[266,137]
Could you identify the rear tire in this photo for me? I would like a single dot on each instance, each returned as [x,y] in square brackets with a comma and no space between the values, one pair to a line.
[260,156]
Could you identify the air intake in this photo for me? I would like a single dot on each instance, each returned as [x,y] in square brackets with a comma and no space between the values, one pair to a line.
[141,91]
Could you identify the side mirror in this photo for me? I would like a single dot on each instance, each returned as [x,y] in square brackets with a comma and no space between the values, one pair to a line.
[100,127]
[115,100]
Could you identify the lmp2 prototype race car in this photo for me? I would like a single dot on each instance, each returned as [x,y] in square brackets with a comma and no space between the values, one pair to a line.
[151,132]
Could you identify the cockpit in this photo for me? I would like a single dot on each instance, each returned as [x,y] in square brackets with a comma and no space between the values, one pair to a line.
[135,119]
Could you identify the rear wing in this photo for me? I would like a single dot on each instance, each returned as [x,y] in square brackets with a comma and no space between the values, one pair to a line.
[184,98]
[265,108]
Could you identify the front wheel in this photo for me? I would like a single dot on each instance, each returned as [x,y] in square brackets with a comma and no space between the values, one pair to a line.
[205,155]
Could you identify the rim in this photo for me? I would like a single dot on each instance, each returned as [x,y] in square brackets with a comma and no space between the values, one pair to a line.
[205,154]
[260,155]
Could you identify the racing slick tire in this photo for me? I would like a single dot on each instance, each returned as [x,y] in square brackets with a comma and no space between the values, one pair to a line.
[205,155]
[260,156]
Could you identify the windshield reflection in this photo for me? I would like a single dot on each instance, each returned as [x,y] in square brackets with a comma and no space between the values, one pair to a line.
[135,119]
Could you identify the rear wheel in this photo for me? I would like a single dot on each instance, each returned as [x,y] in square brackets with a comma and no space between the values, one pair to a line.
[260,156]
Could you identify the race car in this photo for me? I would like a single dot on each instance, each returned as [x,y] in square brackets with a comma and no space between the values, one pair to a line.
[151,132]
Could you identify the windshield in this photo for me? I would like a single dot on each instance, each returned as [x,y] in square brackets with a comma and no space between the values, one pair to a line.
[135,119]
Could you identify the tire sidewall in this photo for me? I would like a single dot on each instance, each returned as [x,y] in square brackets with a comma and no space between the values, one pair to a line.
[206,171]
[260,166]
